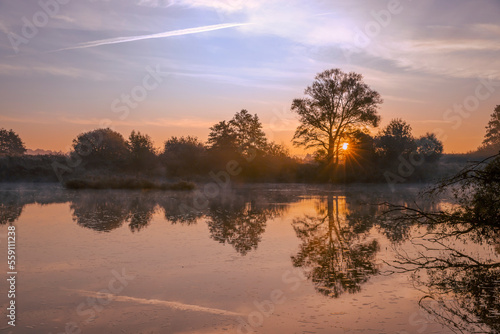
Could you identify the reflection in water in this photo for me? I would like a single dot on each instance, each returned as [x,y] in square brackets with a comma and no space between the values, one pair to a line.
[178,211]
[455,262]
[336,248]
[240,222]
[97,211]
[461,280]
[141,212]
[237,219]
[457,265]
[10,208]
[14,198]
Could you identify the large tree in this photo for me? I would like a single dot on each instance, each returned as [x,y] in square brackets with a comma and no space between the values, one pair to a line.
[395,140]
[11,143]
[242,133]
[183,156]
[492,137]
[101,148]
[142,150]
[335,105]
[222,137]
[430,147]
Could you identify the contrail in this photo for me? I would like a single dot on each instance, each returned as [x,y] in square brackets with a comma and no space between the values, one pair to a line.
[173,305]
[158,35]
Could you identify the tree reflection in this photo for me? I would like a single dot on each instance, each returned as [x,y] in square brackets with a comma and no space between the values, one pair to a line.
[14,198]
[455,261]
[239,222]
[178,210]
[141,212]
[99,211]
[109,210]
[10,208]
[335,248]
[460,279]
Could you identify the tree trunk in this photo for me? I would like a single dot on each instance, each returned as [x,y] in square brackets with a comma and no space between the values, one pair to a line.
[331,160]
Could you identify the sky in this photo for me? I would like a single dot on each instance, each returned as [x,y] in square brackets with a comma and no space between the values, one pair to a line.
[176,67]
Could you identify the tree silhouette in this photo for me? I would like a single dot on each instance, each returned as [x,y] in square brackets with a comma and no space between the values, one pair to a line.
[461,282]
[337,103]
[462,289]
[142,151]
[101,148]
[10,143]
[430,147]
[183,156]
[223,137]
[492,137]
[335,249]
[243,134]
[249,132]
[395,140]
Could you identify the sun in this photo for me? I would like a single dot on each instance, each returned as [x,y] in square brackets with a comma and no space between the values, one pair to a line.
[345,146]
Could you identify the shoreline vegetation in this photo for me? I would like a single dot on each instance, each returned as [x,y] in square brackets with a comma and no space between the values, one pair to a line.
[337,116]
[127,183]
[39,169]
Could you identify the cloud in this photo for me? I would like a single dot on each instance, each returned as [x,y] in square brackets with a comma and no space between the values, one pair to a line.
[220,5]
[307,22]
[151,36]
[29,119]
[403,99]
[71,72]
[3,28]
[161,122]
[156,3]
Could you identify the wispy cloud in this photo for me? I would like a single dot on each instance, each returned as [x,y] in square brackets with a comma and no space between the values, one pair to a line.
[159,122]
[151,36]
[403,99]
[57,71]
[3,27]
[222,5]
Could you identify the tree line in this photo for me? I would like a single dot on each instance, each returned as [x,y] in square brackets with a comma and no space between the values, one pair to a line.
[337,116]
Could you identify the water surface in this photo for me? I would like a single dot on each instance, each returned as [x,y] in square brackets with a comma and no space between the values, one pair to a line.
[264,259]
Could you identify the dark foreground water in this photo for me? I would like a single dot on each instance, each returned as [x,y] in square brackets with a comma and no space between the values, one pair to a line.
[264,259]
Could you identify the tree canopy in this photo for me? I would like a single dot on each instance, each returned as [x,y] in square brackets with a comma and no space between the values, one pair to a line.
[242,133]
[183,156]
[335,105]
[101,147]
[10,143]
[141,149]
[430,147]
[492,137]
[395,139]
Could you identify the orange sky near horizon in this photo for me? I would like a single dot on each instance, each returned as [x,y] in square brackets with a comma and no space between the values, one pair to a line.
[175,68]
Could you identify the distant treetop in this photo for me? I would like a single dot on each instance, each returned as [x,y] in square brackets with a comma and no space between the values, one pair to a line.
[10,143]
